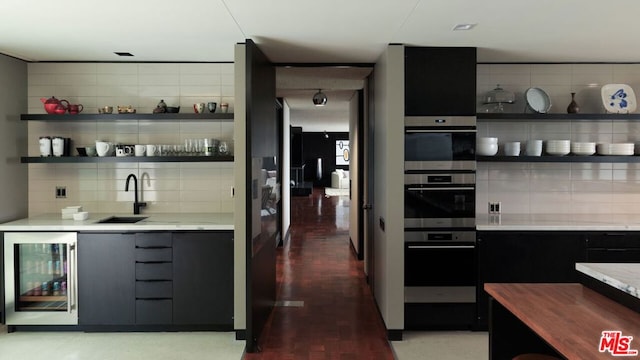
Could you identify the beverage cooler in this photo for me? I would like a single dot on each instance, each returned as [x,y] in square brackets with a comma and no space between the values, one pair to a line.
[40,278]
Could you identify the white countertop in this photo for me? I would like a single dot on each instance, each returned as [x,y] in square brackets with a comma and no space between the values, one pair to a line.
[624,277]
[188,221]
[558,222]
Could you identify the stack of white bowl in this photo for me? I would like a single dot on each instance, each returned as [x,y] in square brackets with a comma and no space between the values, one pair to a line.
[583,148]
[487,146]
[615,149]
[558,147]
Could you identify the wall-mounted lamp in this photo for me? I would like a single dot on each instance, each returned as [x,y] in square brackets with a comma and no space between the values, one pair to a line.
[319,98]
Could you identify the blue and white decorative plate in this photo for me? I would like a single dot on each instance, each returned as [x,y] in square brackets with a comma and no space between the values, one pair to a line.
[618,98]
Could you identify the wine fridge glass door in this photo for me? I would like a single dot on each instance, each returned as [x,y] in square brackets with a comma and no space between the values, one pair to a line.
[40,278]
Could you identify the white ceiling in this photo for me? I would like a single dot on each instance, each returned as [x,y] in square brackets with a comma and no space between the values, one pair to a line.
[327,31]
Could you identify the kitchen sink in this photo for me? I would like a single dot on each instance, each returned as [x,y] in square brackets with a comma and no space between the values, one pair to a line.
[122,219]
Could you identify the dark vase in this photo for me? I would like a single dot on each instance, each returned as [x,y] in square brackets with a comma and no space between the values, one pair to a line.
[573,107]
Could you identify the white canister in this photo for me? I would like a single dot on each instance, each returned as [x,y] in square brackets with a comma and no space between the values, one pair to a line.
[45,146]
[57,143]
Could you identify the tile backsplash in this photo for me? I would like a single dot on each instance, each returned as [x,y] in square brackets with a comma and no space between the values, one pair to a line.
[564,188]
[99,187]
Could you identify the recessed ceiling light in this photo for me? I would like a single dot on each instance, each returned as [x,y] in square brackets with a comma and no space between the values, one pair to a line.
[120,53]
[464,27]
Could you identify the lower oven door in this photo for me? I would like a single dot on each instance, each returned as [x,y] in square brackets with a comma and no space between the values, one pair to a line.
[441,271]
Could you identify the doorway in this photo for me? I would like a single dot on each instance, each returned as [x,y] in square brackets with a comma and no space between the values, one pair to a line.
[324,306]
[323,144]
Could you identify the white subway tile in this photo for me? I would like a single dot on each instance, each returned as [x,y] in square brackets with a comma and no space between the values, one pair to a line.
[117,68]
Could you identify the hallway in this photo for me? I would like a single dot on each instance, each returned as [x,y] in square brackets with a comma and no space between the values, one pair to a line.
[325,308]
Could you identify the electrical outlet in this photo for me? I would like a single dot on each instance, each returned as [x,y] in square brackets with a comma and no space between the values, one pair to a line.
[495,207]
[61,192]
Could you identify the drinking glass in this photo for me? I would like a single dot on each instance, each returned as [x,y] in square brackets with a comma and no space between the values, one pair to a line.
[223,148]
[199,146]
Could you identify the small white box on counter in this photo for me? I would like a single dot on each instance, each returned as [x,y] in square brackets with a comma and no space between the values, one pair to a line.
[67,213]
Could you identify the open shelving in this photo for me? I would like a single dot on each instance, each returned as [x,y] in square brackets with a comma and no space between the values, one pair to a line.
[119,159]
[516,117]
[116,117]
[536,116]
[221,117]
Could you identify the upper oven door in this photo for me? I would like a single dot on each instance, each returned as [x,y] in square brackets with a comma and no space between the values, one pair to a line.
[436,143]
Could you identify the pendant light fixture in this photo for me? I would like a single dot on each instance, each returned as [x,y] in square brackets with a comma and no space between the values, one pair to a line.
[319,98]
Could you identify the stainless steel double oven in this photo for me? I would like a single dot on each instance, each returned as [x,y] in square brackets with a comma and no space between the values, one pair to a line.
[439,220]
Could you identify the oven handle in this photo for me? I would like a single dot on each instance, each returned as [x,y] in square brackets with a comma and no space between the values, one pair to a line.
[440,188]
[440,247]
[409,131]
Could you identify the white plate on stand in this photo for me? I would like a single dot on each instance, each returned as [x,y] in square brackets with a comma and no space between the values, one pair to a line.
[538,100]
[618,98]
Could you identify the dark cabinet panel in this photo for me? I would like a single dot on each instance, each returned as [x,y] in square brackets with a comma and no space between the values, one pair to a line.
[153,240]
[203,278]
[621,247]
[106,279]
[154,289]
[526,257]
[154,271]
[440,81]
[153,255]
[154,312]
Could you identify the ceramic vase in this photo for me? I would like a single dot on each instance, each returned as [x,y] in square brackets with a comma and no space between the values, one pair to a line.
[573,107]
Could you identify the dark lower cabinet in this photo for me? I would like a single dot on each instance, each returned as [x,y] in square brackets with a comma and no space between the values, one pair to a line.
[106,279]
[167,280]
[203,278]
[526,257]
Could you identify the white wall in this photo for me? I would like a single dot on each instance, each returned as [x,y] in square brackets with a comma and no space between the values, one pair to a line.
[388,186]
[99,187]
[13,139]
[240,220]
[286,169]
[355,201]
[567,188]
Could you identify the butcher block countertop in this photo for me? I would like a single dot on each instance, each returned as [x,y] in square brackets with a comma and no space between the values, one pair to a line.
[158,222]
[558,222]
[568,317]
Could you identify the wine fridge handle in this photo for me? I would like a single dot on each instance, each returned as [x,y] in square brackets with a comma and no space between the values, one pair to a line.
[71,277]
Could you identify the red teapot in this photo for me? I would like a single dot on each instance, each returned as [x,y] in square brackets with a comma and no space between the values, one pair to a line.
[55,106]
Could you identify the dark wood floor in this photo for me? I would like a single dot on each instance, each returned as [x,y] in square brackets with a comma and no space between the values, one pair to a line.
[332,314]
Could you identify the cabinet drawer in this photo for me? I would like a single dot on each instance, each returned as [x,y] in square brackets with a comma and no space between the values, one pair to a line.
[154,311]
[154,271]
[154,289]
[154,254]
[159,239]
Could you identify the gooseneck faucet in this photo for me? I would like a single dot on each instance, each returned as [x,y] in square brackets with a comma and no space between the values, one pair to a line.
[136,205]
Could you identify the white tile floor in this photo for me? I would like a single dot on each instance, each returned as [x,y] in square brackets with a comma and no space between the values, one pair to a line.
[454,345]
[119,346]
[446,345]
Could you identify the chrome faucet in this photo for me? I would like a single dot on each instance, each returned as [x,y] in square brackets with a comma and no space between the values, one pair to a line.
[136,205]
